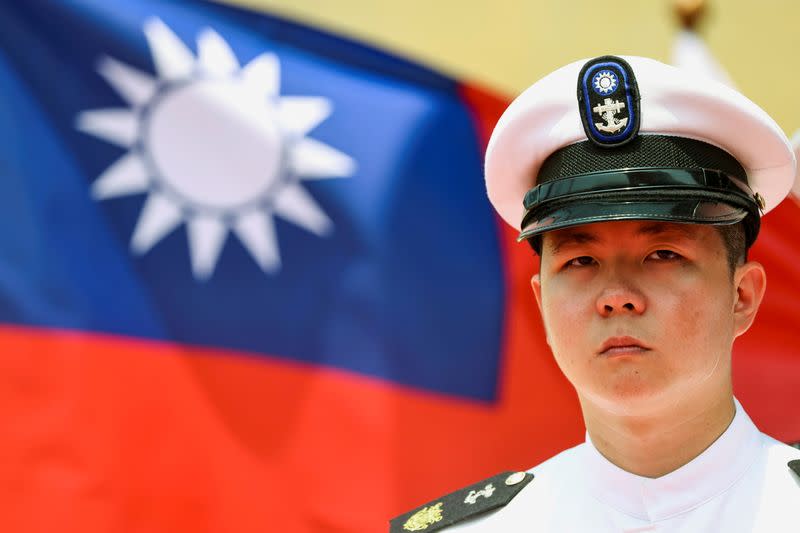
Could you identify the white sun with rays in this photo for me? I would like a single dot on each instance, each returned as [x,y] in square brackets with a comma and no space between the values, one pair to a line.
[214,146]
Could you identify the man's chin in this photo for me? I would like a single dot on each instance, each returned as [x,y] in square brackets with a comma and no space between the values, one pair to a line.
[632,396]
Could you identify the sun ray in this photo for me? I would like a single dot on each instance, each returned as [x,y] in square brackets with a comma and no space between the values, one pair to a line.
[297,206]
[126,176]
[173,59]
[263,74]
[136,87]
[206,237]
[300,114]
[118,126]
[214,55]
[158,218]
[310,159]
[256,230]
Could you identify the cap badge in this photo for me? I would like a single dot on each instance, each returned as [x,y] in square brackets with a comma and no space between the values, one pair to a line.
[423,518]
[608,101]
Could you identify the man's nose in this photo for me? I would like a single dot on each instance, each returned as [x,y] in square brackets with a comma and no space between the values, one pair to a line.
[620,296]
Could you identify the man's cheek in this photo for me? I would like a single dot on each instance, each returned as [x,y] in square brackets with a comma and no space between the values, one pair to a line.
[691,310]
[565,325]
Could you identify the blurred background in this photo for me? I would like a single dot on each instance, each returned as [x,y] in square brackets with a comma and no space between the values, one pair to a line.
[249,276]
[507,45]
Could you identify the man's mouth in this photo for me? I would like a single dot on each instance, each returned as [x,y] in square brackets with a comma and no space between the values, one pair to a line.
[622,346]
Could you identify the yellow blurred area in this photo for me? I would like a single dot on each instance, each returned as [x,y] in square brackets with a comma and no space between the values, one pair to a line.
[508,44]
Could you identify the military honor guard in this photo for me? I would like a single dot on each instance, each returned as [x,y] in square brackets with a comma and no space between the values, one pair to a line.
[641,187]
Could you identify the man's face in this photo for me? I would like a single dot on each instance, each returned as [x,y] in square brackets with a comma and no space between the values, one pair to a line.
[640,313]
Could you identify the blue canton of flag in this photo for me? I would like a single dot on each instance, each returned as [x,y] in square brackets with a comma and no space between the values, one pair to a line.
[187,171]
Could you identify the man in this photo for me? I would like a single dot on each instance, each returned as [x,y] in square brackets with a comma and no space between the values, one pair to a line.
[641,195]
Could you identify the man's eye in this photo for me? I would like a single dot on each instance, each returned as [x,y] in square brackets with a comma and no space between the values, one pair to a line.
[581,261]
[664,255]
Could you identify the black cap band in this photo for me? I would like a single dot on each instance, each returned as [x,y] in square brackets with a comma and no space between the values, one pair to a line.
[645,151]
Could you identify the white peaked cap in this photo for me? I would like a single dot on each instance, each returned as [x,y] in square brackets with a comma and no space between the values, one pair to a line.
[674,102]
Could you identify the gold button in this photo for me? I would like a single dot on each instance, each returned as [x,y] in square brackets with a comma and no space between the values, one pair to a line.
[760,201]
[515,478]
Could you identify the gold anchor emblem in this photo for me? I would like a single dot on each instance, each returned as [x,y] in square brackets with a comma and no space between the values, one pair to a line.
[422,519]
[607,111]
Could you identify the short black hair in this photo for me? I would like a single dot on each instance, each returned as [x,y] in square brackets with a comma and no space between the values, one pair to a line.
[735,242]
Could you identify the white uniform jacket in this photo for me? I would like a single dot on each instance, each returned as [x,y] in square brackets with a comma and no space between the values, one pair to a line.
[741,483]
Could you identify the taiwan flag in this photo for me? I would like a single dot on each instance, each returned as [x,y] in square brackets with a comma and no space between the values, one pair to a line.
[250,281]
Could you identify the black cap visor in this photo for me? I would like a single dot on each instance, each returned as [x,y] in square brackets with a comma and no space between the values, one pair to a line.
[698,196]
[590,211]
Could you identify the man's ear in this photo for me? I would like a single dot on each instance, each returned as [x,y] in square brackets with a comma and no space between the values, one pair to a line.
[750,280]
[536,285]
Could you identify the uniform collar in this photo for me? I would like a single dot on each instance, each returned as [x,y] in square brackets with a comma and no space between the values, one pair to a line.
[707,475]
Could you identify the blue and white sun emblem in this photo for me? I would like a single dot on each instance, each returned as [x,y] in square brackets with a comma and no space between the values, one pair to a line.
[605,82]
[214,145]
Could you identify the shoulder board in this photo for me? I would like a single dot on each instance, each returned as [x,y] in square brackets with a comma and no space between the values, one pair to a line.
[795,466]
[457,506]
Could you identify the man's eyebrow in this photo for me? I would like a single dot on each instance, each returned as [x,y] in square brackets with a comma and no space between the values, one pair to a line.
[659,228]
[567,237]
